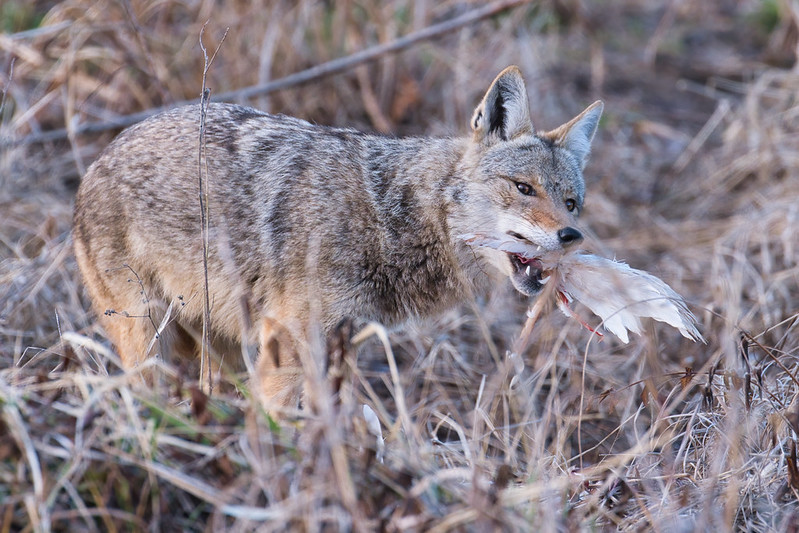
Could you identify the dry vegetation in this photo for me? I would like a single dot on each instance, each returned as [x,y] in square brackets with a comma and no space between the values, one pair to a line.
[694,177]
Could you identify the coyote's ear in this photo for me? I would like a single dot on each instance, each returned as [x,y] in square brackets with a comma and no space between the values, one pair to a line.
[576,135]
[504,111]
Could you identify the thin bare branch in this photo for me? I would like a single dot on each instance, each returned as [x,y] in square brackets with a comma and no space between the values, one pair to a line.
[330,68]
[205,215]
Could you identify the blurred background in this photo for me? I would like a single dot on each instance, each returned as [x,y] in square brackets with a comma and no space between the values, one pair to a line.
[694,176]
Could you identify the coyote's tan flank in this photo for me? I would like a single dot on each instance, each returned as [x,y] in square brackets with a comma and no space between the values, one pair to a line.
[312,225]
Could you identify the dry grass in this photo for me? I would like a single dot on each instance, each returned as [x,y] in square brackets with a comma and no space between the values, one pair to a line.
[694,177]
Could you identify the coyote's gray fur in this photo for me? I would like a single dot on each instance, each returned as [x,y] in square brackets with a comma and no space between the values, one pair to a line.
[315,224]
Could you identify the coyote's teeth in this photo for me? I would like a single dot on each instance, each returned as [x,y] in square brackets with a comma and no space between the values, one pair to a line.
[527,270]
[542,281]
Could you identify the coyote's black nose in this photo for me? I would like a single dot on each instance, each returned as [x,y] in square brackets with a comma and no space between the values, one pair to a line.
[569,236]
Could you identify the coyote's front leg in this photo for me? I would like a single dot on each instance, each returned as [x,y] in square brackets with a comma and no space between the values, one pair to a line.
[279,368]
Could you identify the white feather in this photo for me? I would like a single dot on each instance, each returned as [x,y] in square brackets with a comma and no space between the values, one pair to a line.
[373,425]
[618,294]
[503,243]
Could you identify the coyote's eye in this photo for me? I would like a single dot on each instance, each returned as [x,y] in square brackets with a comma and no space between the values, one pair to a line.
[571,205]
[524,188]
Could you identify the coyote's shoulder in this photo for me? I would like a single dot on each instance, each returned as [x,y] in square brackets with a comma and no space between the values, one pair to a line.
[311,224]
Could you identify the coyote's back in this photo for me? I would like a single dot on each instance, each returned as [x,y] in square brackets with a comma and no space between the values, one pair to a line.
[312,225]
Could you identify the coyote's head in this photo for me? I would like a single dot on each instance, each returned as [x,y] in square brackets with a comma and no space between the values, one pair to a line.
[521,184]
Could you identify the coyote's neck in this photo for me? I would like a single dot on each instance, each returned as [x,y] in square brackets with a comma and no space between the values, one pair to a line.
[419,270]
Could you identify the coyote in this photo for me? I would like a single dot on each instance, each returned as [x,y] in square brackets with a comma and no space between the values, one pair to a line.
[309,225]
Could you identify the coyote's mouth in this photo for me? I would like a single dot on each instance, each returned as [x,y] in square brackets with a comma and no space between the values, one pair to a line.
[526,258]
[527,272]
[527,275]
